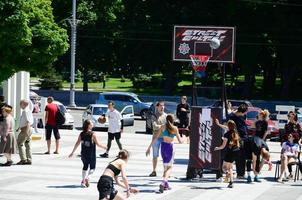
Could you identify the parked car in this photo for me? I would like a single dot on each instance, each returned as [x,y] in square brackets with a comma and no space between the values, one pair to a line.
[170,108]
[122,99]
[251,117]
[69,120]
[94,111]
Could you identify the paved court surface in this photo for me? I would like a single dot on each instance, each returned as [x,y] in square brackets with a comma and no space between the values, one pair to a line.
[58,177]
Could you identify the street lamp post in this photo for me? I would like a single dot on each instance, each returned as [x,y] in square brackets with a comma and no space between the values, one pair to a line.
[73,23]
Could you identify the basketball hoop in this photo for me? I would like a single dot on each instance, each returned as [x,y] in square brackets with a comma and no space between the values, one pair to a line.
[199,63]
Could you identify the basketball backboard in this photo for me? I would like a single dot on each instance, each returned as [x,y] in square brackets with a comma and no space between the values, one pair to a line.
[195,40]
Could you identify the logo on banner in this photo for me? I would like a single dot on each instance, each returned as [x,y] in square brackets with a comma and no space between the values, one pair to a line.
[205,134]
[184,48]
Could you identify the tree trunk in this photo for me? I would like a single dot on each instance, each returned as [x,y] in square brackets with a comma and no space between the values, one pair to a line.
[85,79]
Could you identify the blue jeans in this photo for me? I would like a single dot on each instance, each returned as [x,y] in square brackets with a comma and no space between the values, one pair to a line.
[156,147]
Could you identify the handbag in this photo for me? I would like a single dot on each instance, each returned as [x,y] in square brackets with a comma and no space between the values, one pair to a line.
[60,117]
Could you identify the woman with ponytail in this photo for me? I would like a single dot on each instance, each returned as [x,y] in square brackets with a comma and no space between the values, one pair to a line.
[115,167]
[88,141]
[231,141]
[168,131]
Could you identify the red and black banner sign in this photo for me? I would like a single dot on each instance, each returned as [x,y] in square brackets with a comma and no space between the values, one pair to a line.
[205,136]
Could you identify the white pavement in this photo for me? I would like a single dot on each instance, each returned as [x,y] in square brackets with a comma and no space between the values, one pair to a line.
[58,177]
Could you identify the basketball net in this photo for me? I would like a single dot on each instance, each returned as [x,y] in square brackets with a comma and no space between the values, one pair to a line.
[199,63]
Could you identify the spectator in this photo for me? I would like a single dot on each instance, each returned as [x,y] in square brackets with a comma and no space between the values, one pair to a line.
[182,113]
[24,137]
[289,153]
[51,110]
[36,109]
[8,140]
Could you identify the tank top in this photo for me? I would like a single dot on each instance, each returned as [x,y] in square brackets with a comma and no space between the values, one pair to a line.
[87,146]
[167,134]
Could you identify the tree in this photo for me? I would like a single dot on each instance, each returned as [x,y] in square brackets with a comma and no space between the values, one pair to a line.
[30,39]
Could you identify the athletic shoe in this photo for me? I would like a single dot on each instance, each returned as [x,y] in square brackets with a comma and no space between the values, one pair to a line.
[153,174]
[290,176]
[83,184]
[167,186]
[161,188]
[56,152]
[280,180]
[87,183]
[230,185]
[249,179]
[240,177]
[256,179]
[104,155]
[47,152]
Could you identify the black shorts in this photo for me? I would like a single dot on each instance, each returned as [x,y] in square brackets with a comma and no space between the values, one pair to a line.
[49,129]
[117,135]
[230,156]
[106,188]
[88,162]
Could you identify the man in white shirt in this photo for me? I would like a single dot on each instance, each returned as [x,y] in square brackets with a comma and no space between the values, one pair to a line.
[115,128]
[24,137]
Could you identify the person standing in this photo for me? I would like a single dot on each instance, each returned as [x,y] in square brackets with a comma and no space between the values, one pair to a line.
[8,140]
[24,137]
[88,141]
[231,141]
[51,110]
[239,118]
[158,120]
[182,113]
[115,128]
[168,131]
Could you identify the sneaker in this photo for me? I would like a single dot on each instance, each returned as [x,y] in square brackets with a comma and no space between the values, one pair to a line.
[56,152]
[21,162]
[256,179]
[153,174]
[167,186]
[230,185]
[280,180]
[87,183]
[249,179]
[290,176]
[47,152]
[161,188]
[240,177]
[104,155]
[83,184]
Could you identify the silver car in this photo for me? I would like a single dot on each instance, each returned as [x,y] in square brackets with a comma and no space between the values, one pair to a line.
[94,111]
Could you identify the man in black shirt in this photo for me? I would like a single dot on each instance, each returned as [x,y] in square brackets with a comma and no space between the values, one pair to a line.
[182,113]
[239,118]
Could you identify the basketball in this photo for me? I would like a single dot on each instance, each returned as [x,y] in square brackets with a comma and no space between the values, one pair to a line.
[215,43]
[102,120]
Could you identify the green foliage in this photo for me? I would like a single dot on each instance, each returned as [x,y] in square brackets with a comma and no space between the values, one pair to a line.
[78,76]
[30,39]
[50,80]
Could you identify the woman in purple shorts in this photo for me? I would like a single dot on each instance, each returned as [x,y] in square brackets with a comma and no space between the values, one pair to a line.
[169,131]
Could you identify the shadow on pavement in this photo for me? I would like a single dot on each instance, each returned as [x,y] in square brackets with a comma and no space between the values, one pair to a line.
[206,188]
[65,186]
[181,161]
[140,132]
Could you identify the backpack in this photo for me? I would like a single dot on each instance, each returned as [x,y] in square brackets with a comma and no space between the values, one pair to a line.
[60,117]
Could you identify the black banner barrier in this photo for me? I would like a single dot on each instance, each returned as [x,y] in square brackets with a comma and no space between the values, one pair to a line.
[205,136]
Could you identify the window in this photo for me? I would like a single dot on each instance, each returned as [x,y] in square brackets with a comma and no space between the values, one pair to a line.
[128,111]
[99,110]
